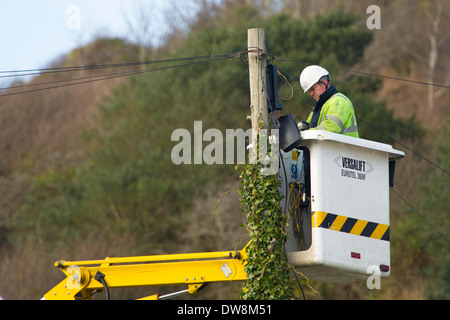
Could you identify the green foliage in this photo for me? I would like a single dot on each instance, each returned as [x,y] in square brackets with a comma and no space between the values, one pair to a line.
[113,50]
[434,256]
[330,39]
[266,266]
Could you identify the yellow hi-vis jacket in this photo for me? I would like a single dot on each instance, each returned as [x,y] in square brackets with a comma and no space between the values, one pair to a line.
[337,115]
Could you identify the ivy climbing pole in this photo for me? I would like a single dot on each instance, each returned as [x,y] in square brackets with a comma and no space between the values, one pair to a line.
[267,267]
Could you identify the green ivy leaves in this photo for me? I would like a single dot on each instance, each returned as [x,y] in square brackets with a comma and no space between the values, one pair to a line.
[267,267]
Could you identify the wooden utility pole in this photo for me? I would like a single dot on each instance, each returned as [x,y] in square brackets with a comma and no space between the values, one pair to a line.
[257,63]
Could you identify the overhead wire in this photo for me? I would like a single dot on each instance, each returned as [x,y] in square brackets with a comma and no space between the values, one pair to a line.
[203,59]
[94,78]
[420,215]
[39,71]
[54,70]
[403,145]
[366,73]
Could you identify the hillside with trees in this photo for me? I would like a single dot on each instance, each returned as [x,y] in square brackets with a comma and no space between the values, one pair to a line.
[86,169]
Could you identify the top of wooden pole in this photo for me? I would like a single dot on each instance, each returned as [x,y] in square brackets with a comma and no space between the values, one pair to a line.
[257,63]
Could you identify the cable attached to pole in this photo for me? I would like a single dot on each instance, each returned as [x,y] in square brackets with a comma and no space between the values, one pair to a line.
[106,77]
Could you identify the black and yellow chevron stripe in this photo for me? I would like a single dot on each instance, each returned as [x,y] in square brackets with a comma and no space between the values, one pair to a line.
[350,225]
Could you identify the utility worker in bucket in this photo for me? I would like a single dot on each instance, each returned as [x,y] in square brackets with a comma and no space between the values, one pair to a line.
[333,111]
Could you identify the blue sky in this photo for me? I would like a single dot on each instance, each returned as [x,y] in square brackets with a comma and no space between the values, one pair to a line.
[33,33]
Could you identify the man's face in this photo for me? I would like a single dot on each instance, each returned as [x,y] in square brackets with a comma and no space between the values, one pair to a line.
[317,90]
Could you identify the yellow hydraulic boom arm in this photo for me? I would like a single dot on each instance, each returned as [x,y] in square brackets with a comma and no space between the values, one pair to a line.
[85,278]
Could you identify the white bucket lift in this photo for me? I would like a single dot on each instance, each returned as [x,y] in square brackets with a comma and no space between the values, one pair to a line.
[337,195]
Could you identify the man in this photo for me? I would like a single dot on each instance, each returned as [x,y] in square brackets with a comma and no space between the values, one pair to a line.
[333,111]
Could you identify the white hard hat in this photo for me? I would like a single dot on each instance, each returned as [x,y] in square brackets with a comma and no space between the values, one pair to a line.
[311,75]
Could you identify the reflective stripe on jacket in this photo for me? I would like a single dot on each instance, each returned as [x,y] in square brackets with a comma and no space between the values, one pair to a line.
[337,115]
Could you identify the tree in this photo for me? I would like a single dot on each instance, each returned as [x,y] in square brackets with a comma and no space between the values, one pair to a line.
[429,42]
